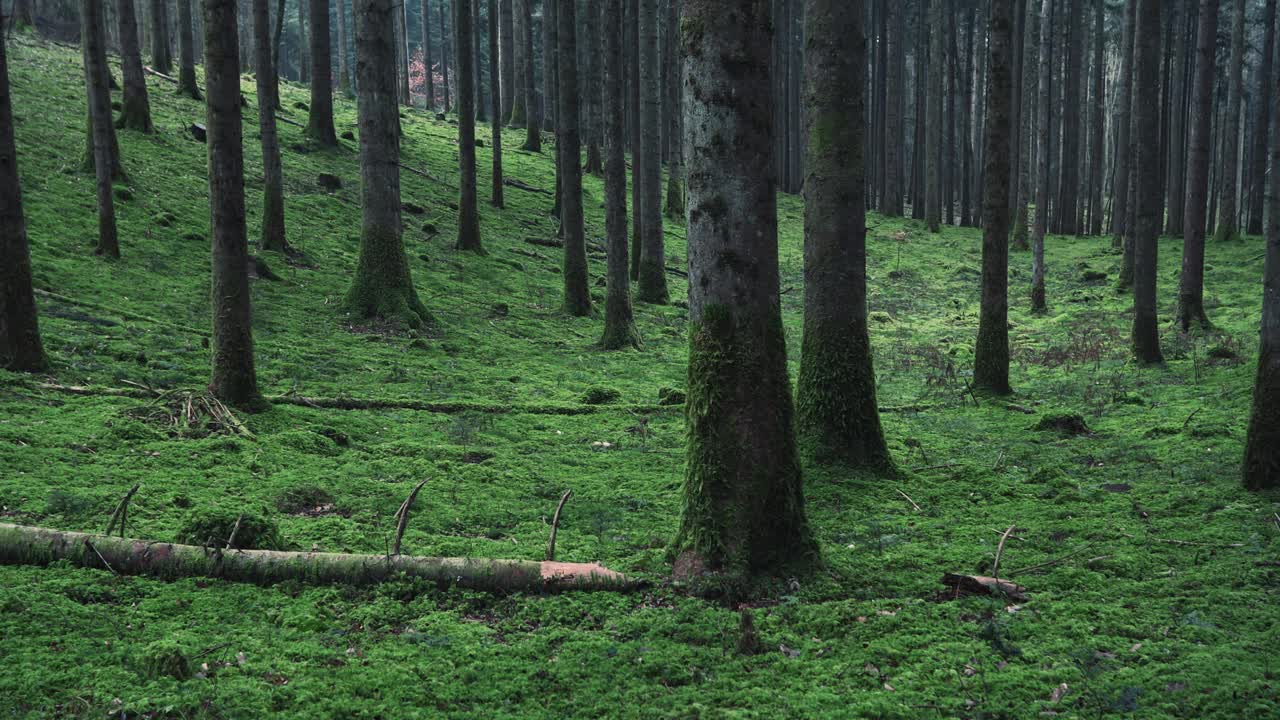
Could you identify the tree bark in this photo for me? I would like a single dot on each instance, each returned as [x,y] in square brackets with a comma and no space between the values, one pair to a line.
[532,124]
[496,88]
[20,347]
[1069,183]
[1228,196]
[1262,122]
[402,54]
[304,59]
[619,323]
[577,294]
[468,213]
[632,58]
[24,14]
[550,74]
[135,108]
[895,88]
[344,71]
[523,22]
[1124,102]
[1176,184]
[589,51]
[383,286]
[275,54]
[103,138]
[1097,110]
[161,54]
[1146,127]
[675,206]
[187,84]
[428,63]
[1045,107]
[508,42]
[651,286]
[743,508]
[320,116]
[836,411]
[273,229]
[1191,284]
[933,121]
[444,56]
[1030,132]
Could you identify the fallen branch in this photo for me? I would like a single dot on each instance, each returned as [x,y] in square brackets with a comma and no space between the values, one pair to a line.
[24,545]
[402,517]
[908,497]
[427,175]
[995,567]
[555,525]
[152,71]
[118,312]
[1055,561]
[235,530]
[512,182]
[122,511]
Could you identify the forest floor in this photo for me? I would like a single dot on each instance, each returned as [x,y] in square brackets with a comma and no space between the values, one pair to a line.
[1164,600]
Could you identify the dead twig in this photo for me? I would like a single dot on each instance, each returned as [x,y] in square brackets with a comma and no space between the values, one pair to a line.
[555,525]
[1193,414]
[908,497]
[1050,563]
[121,513]
[402,517]
[235,530]
[995,568]
[104,560]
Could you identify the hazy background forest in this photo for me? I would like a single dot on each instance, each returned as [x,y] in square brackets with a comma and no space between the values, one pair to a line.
[639,358]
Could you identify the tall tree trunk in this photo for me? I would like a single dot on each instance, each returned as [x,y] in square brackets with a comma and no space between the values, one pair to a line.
[1069,182]
[402,52]
[991,353]
[577,294]
[468,212]
[919,141]
[1262,447]
[1262,121]
[161,55]
[304,52]
[233,378]
[550,73]
[428,63]
[477,72]
[1097,111]
[320,118]
[675,168]
[344,72]
[1228,227]
[1030,132]
[275,54]
[1146,127]
[836,410]
[1191,285]
[187,84]
[104,152]
[933,122]
[1176,184]
[964,90]
[20,346]
[444,56]
[273,230]
[632,54]
[509,40]
[523,22]
[532,124]
[1045,108]
[895,89]
[496,198]
[24,14]
[383,286]
[619,325]
[743,508]
[652,284]
[590,53]
[1124,102]
[135,108]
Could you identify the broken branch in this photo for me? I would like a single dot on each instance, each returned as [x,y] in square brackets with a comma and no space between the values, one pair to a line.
[555,525]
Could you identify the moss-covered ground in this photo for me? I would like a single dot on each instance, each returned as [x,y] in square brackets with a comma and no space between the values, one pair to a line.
[1164,602]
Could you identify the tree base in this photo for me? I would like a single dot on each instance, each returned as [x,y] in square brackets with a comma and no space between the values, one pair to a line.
[1262,448]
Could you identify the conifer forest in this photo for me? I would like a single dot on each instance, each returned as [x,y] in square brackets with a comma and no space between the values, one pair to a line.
[717,359]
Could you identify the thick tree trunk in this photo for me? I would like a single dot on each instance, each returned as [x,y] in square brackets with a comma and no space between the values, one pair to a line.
[161,53]
[1228,195]
[382,287]
[1191,285]
[20,346]
[619,324]
[320,116]
[233,380]
[496,89]
[344,71]
[273,230]
[836,407]
[589,64]
[24,14]
[577,294]
[1146,127]
[743,508]
[523,23]
[468,212]
[652,283]
[532,124]
[104,152]
[1045,108]
[509,41]
[991,353]
[187,84]
[1262,122]
[20,545]
[1097,110]
[933,122]
[135,108]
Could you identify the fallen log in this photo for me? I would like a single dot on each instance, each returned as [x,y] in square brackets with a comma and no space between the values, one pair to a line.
[513,183]
[983,585]
[25,545]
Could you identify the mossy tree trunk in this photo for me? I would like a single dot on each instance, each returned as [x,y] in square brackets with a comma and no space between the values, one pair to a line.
[619,322]
[1262,448]
[101,130]
[496,195]
[135,107]
[187,84]
[1228,195]
[1262,121]
[1191,284]
[273,235]
[320,116]
[161,48]
[651,286]
[991,352]
[382,287]
[577,294]
[836,395]
[468,213]
[1147,212]
[425,17]
[20,346]
[533,122]
[508,41]
[933,120]
[233,380]
[24,14]
[743,505]
[1043,153]
[675,166]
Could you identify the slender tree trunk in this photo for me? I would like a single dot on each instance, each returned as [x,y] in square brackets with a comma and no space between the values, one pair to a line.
[836,408]
[468,213]
[550,71]
[135,109]
[273,230]
[964,90]
[743,508]
[523,24]
[1228,226]
[24,14]
[1045,108]
[444,55]
[20,346]
[1146,127]
[428,63]
[304,59]
[589,51]
[1097,111]
[344,72]
[383,286]
[402,50]
[1191,285]
[532,125]
[1030,133]
[632,40]
[895,89]
[675,206]
[275,54]
[919,144]
[1124,102]
[95,67]
[652,284]
[1177,181]
[619,325]
[161,55]
[477,71]
[577,293]
[495,105]
[1262,122]
[187,84]
[933,123]
[1069,182]
[509,41]
[320,117]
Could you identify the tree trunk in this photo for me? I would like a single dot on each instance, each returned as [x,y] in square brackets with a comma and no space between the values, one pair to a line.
[1097,111]
[21,545]
[919,142]
[20,346]
[509,40]
[344,72]
[103,138]
[1030,132]
[320,116]
[1045,108]
[590,53]
[895,89]
[836,407]
[619,324]
[273,229]
[383,286]
[304,59]
[477,73]
[933,122]
[1124,102]
[743,509]
[675,167]
[577,294]
[496,88]
[652,283]
[24,14]
[428,63]
[1069,182]
[550,75]
[1228,227]
[187,84]
[135,108]
[532,125]
[161,56]
[1262,121]
[1191,285]
[1146,127]
[1262,448]
[468,213]
[632,57]
[523,25]
[275,55]
[402,53]
[1176,184]
[991,354]
[444,56]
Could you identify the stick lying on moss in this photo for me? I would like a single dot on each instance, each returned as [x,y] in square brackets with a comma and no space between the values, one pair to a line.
[24,545]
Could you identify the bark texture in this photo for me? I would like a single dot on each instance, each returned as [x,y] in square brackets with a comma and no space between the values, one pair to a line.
[508,41]
[577,294]
[651,285]
[496,89]
[1191,284]
[1044,106]
[320,118]
[619,322]
[187,84]
[933,121]
[1228,196]
[104,150]
[1146,127]
[135,106]
[272,235]
[161,51]
[532,124]
[1262,122]
[468,212]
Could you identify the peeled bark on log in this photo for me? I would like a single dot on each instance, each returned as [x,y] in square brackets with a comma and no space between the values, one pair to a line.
[24,545]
